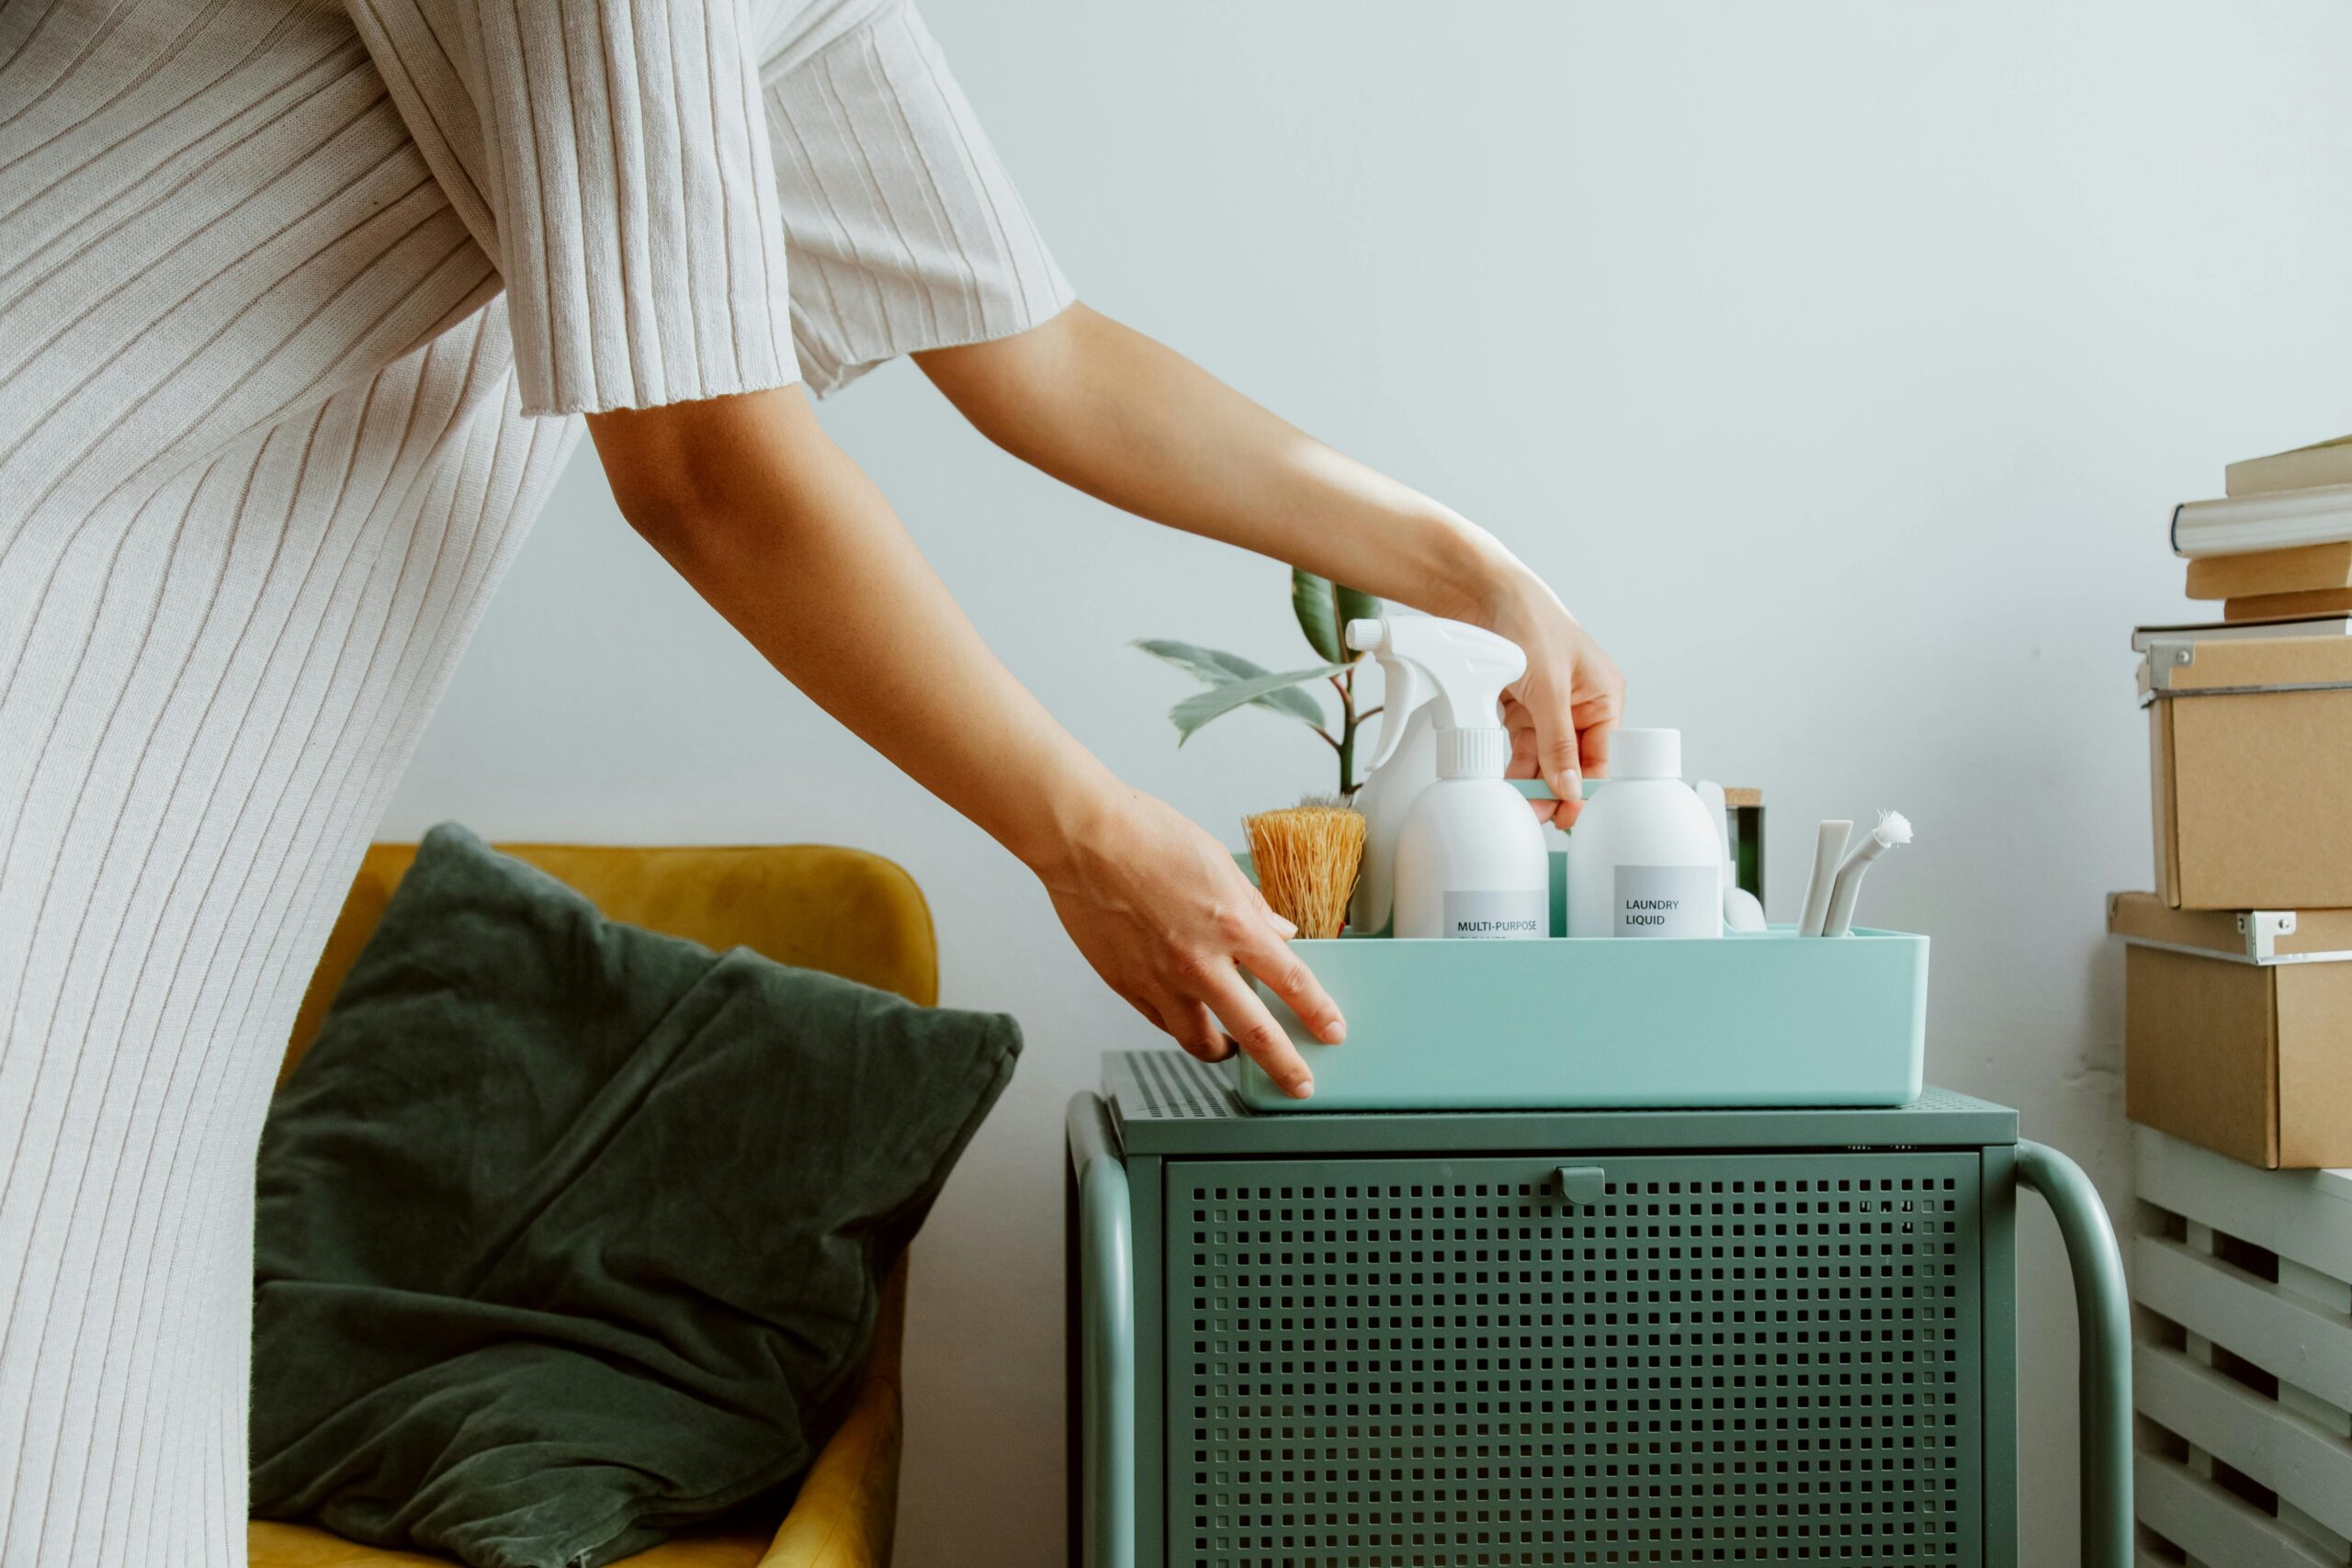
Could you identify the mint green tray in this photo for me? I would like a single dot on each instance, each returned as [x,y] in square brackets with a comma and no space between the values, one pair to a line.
[1755,1019]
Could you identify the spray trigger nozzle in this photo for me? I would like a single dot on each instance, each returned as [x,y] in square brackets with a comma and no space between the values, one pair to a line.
[1408,687]
[1463,668]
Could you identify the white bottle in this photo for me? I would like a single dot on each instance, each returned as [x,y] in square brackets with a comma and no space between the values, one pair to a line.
[1467,853]
[1644,859]
[1414,652]
[1470,858]
[1405,765]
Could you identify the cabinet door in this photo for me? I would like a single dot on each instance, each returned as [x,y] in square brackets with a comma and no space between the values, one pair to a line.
[1403,1363]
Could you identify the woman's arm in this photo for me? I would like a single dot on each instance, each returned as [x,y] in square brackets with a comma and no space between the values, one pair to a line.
[1125,419]
[788,539]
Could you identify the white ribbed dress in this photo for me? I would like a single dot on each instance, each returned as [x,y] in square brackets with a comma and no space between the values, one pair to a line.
[292,303]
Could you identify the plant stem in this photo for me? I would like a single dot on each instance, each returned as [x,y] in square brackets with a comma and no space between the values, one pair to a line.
[1348,722]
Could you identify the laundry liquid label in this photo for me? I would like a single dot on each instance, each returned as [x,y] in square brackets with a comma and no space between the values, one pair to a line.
[1668,901]
[1499,917]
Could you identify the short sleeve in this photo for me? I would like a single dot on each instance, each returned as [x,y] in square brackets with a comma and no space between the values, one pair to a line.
[903,229]
[612,158]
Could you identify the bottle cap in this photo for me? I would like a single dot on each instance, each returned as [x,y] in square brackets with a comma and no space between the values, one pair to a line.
[1473,753]
[1645,754]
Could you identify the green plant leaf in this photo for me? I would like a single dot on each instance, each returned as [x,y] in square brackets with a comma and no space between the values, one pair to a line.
[1213,665]
[1311,600]
[1278,692]
[1324,609]
[1222,670]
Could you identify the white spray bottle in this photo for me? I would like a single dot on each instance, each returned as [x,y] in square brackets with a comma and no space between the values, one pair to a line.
[1449,848]
[1404,765]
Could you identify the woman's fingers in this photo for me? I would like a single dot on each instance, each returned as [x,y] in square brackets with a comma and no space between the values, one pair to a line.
[1287,976]
[1192,1026]
[1521,724]
[1556,763]
[1593,740]
[1571,688]
[1573,706]
[1164,916]
[1254,1029]
[1540,714]
[1251,1023]
[1151,1014]
[1561,759]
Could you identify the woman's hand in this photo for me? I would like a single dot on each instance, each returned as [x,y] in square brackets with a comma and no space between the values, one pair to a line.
[1563,711]
[1107,410]
[773,524]
[1161,911]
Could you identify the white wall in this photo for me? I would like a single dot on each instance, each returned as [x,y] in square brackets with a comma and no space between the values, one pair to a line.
[1837,362]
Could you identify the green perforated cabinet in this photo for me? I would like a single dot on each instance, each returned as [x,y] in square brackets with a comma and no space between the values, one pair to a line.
[1505,1339]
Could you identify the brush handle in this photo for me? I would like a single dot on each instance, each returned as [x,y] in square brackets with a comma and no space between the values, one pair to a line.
[1848,890]
[1829,851]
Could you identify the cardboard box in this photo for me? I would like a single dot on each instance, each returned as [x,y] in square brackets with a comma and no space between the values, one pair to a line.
[2237,1028]
[2250,746]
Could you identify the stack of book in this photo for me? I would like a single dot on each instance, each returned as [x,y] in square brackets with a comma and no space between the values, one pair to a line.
[2278,544]
[2238,973]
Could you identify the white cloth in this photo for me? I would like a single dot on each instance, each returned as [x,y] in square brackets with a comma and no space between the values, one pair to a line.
[280,289]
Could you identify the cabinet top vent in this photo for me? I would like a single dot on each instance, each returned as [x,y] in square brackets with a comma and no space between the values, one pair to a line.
[1164,1103]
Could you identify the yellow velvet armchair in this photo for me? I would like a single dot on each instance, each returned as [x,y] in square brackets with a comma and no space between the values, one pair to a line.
[840,910]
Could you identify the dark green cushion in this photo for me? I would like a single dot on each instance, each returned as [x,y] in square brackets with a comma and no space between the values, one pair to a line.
[571,1233]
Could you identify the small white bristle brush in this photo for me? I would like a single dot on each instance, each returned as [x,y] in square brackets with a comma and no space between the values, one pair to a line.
[1892,829]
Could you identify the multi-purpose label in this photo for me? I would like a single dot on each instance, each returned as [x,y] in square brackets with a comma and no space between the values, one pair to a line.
[1498,916]
[1668,900]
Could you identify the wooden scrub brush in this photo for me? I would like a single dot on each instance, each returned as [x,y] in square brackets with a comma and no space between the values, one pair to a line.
[1308,856]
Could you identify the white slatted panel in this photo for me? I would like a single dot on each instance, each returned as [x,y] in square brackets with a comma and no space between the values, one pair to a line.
[2209,1524]
[2302,1215]
[2285,1452]
[2276,1329]
[2214,1322]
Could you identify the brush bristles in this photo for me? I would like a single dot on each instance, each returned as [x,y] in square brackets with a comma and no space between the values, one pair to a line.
[1307,857]
[1894,829]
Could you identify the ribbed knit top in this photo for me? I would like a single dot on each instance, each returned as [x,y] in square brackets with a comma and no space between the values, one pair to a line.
[284,293]
[620,162]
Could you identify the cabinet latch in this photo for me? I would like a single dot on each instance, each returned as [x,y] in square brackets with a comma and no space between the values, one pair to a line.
[1583,1185]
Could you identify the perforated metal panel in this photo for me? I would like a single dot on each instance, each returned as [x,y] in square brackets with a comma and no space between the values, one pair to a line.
[1399,1363]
